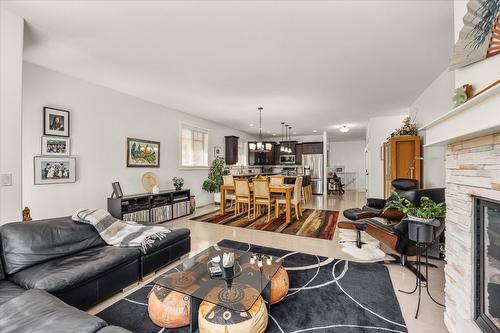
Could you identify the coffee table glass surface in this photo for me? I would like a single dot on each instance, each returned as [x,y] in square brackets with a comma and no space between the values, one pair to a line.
[239,293]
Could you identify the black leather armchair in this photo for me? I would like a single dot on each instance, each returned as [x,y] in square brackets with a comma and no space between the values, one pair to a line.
[375,207]
[396,235]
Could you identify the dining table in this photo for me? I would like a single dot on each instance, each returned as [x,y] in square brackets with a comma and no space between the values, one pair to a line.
[286,189]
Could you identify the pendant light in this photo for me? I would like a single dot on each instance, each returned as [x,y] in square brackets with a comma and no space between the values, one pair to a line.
[260,145]
[282,146]
[290,140]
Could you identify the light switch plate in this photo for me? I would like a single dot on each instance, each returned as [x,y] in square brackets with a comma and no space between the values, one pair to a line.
[6,179]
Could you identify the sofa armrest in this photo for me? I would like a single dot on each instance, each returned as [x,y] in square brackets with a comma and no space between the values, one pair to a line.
[376,203]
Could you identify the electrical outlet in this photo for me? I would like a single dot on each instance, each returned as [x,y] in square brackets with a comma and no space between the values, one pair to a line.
[6,179]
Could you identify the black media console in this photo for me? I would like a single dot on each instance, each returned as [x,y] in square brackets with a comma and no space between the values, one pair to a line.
[148,207]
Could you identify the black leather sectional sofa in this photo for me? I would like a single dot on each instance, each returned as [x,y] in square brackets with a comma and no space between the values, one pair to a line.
[71,261]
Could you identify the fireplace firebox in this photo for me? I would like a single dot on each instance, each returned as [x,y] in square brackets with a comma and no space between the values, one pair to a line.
[487,265]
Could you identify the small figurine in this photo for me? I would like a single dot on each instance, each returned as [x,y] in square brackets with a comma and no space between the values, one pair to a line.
[26,214]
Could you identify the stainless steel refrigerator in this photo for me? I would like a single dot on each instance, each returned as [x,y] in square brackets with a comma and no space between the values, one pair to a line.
[313,166]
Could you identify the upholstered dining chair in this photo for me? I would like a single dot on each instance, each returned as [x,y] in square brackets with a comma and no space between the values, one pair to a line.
[276,180]
[262,197]
[230,194]
[296,198]
[243,196]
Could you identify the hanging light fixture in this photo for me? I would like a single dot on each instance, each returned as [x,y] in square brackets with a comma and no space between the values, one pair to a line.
[260,145]
[282,145]
[290,140]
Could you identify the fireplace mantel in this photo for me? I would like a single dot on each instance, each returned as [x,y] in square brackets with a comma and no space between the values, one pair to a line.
[476,117]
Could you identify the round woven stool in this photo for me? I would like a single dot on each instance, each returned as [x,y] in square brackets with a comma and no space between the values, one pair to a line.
[168,308]
[217,319]
[279,285]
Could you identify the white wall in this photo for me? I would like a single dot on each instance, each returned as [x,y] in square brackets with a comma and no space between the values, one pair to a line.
[378,129]
[351,155]
[101,120]
[11,68]
[432,103]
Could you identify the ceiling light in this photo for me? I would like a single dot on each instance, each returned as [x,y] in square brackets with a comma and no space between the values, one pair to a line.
[315,131]
[251,125]
[344,129]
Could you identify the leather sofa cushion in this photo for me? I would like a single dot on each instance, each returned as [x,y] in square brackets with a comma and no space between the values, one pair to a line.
[28,244]
[36,311]
[66,272]
[9,290]
[354,214]
[2,273]
[172,237]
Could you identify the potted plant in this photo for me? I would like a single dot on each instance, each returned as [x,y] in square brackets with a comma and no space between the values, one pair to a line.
[178,183]
[408,128]
[428,213]
[214,181]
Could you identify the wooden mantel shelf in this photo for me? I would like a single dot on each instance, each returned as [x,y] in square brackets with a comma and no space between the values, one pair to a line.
[478,116]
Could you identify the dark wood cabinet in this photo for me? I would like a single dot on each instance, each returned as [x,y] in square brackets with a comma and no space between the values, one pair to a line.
[231,150]
[263,158]
[298,153]
[312,148]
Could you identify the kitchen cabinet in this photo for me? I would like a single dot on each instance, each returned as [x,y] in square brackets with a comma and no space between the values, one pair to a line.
[262,158]
[312,148]
[231,149]
[298,153]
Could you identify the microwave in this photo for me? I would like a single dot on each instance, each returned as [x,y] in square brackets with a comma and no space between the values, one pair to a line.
[287,159]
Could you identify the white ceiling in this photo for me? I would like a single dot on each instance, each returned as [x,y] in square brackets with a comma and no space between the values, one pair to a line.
[313,64]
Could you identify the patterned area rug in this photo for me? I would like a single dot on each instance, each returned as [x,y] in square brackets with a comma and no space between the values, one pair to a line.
[314,223]
[325,295]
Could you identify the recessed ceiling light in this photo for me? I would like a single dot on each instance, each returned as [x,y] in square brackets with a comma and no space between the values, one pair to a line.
[268,132]
[251,125]
[274,134]
[344,129]
[294,133]
[315,131]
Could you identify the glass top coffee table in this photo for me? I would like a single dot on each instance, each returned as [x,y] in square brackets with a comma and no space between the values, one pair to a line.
[252,278]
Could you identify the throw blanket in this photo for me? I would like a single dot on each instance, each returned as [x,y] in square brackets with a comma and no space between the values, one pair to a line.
[120,233]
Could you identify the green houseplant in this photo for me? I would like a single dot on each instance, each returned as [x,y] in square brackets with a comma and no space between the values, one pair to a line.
[214,181]
[428,210]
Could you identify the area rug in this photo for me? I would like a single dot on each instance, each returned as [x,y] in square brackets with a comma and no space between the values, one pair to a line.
[369,251]
[314,223]
[326,295]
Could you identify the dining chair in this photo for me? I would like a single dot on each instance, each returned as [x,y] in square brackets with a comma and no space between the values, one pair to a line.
[229,194]
[276,180]
[243,196]
[296,199]
[262,197]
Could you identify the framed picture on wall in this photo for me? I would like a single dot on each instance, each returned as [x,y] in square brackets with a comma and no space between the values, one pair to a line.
[55,122]
[143,153]
[217,151]
[54,170]
[55,146]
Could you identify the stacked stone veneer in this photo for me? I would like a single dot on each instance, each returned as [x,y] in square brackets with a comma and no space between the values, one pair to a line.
[472,170]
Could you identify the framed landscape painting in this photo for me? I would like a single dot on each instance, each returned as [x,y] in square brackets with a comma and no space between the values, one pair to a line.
[55,122]
[55,146]
[143,153]
[54,170]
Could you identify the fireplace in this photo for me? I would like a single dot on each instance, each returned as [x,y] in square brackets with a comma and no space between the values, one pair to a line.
[487,265]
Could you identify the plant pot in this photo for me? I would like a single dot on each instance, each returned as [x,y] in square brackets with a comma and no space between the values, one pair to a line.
[421,230]
[217,198]
[178,188]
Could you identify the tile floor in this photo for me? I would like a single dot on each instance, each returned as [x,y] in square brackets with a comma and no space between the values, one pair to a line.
[430,318]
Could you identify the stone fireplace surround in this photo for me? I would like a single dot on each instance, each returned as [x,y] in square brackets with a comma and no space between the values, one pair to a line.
[472,170]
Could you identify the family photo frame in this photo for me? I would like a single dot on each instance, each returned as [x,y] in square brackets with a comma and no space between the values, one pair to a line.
[55,122]
[55,146]
[54,170]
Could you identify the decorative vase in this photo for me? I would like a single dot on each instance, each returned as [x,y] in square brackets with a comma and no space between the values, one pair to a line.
[217,198]
[155,189]
[178,187]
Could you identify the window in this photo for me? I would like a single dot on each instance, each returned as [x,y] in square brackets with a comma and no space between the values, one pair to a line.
[194,147]
[242,152]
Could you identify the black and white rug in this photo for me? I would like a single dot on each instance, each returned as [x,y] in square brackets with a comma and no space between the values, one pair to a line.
[326,295]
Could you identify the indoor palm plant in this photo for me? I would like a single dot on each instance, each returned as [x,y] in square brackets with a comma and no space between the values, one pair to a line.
[214,181]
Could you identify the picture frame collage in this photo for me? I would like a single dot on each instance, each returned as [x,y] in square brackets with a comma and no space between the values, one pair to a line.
[55,165]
